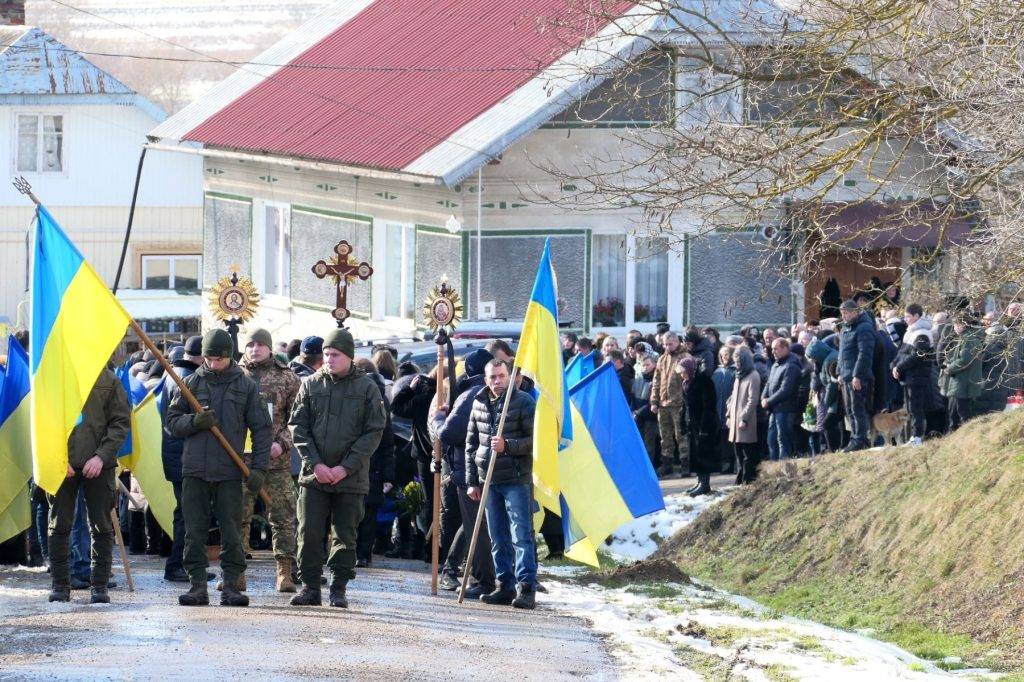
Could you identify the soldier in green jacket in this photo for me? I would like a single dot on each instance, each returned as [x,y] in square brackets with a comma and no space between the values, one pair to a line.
[92,459]
[961,381]
[231,401]
[336,423]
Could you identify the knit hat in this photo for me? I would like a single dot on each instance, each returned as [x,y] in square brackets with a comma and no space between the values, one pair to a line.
[260,336]
[477,361]
[341,340]
[312,345]
[194,346]
[849,305]
[217,344]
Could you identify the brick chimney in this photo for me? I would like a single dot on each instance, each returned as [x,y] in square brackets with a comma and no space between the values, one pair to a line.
[12,12]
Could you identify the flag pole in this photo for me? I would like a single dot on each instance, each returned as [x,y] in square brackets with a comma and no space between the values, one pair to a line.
[435,536]
[467,573]
[169,370]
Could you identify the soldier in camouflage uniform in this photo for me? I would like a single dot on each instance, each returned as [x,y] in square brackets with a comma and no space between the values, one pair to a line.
[278,387]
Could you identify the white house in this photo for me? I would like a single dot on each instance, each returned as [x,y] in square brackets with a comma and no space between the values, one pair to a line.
[76,133]
[359,126]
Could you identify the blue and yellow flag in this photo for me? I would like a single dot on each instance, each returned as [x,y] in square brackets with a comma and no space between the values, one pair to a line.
[146,462]
[137,392]
[580,366]
[76,326]
[606,476]
[539,356]
[15,443]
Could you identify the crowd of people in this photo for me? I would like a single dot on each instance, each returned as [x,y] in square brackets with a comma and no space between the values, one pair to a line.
[316,427]
[313,424]
[708,403]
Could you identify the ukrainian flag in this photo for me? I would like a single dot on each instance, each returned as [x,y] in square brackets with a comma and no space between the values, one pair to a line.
[15,443]
[146,462]
[580,366]
[76,326]
[539,356]
[607,479]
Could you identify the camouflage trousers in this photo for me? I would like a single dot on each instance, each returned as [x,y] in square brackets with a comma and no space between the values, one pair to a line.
[281,513]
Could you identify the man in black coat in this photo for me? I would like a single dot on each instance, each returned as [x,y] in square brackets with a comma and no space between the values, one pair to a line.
[780,397]
[510,499]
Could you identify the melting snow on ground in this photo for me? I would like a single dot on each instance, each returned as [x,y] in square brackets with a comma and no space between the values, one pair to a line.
[695,632]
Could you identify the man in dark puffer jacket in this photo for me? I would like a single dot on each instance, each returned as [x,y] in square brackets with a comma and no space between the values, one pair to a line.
[509,504]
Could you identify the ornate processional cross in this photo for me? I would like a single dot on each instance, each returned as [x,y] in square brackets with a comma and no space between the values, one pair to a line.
[345,269]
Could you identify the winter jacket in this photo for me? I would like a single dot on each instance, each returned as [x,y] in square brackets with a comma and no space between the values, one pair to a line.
[235,400]
[742,408]
[886,387]
[825,357]
[723,379]
[782,389]
[278,387]
[704,353]
[451,430]
[857,343]
[642,385]
[414,404]
[338,421]
[702,425]
[626,376]
[382,462]
[993,369]
[104,425]
[515,465]
[302,371]
[667,390]
[961,377]
[803,387]
[172,446]
[916,356]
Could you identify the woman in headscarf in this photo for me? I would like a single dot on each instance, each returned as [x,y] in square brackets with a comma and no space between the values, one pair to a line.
[701,421]
[741,415]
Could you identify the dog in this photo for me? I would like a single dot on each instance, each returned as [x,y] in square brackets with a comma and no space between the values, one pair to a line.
[889,425]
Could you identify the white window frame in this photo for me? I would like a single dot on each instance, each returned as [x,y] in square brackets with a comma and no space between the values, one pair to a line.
[172,258]
[408,271]
[39,148]
[674,299]
[259,256]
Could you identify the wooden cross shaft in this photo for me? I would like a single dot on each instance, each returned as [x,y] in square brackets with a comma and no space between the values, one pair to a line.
[342,268]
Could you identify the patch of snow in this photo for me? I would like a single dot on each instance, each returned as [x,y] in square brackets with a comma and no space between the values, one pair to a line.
[640,538]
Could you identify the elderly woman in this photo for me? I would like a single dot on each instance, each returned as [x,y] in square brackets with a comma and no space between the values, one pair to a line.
[741,415]
[723,379]
[702,423]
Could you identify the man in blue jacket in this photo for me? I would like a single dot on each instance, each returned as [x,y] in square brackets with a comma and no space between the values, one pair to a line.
[780,398]
[856,371]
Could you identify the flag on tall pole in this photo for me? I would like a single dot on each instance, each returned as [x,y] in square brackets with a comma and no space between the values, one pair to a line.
[76,326]
[145,460]
[539,356]
[15,443]
[606,476]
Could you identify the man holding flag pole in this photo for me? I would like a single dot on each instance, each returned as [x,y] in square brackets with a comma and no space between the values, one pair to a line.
[76,413]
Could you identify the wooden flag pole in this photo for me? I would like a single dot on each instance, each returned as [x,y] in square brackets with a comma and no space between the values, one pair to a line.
[467,574]
[435,536]
[194,403]
[120,541]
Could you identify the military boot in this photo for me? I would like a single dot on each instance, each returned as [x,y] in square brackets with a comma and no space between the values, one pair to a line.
[230,596]
[98,595]
[526,597]
[307,597]
[60,592]
[196,596]
[284,575]
[338,597]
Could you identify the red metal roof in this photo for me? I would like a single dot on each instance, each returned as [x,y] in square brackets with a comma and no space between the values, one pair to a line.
[405,75]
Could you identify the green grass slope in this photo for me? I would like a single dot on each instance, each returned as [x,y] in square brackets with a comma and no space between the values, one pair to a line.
[922,546]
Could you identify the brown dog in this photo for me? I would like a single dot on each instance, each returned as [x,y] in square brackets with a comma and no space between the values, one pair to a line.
[889,425]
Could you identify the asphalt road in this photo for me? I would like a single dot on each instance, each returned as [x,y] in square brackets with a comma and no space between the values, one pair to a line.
[394,629]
